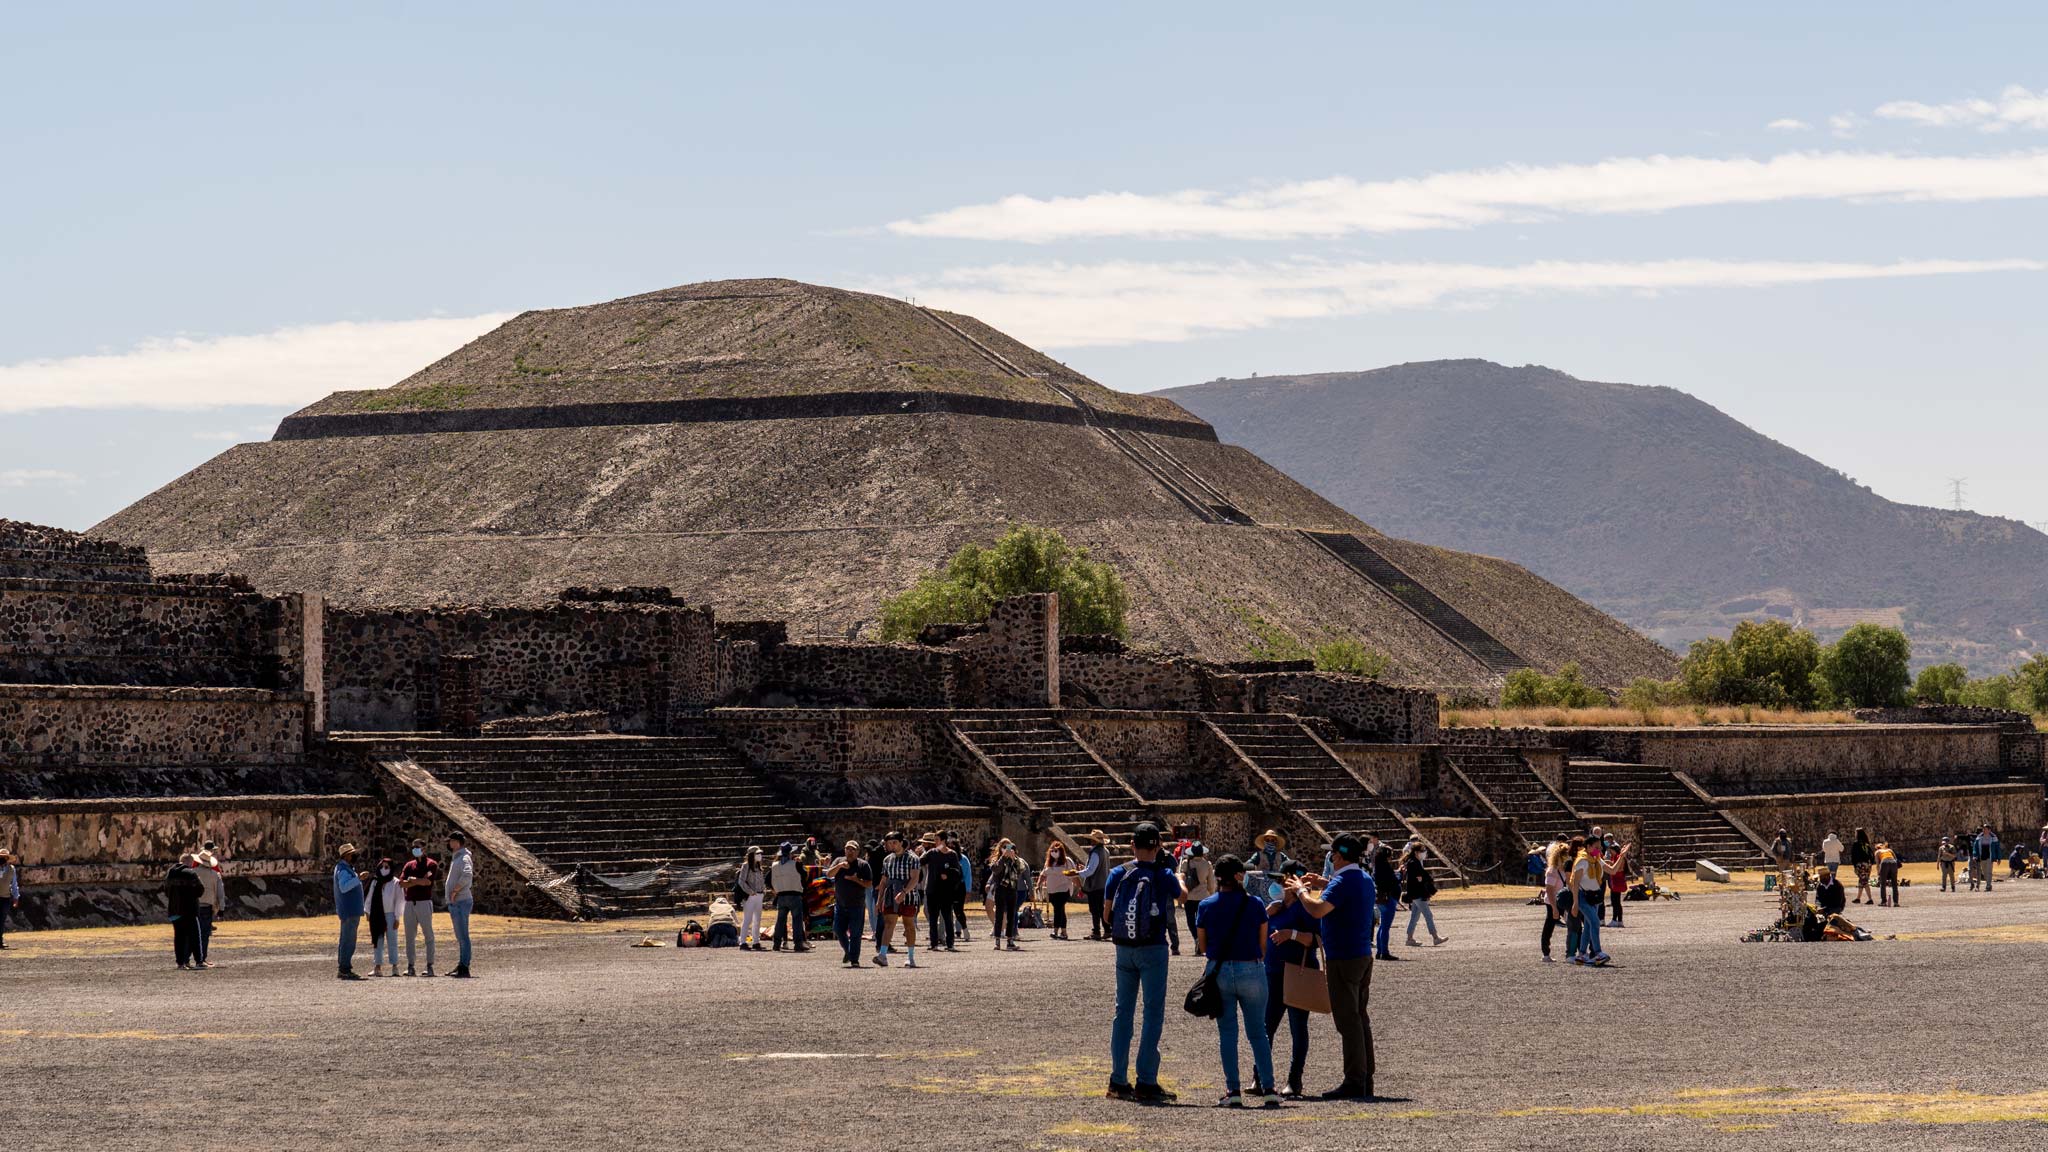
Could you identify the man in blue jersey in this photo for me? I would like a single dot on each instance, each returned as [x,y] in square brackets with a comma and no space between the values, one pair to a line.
[1345,906]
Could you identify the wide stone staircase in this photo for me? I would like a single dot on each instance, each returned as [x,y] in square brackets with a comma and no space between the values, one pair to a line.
[616,806]
[1678,826]
[1041,758]
[1315,783]
[1433,609]
[1512,786]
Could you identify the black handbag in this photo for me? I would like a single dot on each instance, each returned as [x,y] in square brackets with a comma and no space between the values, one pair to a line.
[1205,999]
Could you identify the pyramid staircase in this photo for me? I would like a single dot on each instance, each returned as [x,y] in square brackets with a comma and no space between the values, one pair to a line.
[1678,826]
[1431,608]
[1517,792]
[1040,760]
[1315,781]
[616,806]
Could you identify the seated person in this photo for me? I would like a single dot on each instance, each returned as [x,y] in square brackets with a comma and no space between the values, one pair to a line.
[1830,894]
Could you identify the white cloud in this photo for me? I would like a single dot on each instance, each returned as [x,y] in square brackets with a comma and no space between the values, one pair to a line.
[35,477]
[2016,107]
[1076,305]
[1843,126]
[288,366]
[1341,205]
[1788,124]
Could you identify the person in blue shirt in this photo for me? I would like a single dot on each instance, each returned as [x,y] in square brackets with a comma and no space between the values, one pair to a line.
[1345,907]
[1292,939]
[1230,929]
[1140,897]
[348,905]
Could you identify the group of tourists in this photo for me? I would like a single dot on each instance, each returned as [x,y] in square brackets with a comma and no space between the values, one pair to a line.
[1262,965]
[1585,880]
[1976,852]
[403,896]
[197,895]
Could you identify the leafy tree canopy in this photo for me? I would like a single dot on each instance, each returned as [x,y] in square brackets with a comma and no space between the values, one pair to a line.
[1866,668]
[1026,559]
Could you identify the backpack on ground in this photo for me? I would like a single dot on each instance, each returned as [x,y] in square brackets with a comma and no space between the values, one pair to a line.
[1029,917]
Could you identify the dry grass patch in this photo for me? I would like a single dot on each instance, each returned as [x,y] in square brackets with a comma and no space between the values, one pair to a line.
[1664,717]
[1728,1108]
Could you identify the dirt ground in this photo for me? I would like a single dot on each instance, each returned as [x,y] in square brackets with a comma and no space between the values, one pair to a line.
[570,1038]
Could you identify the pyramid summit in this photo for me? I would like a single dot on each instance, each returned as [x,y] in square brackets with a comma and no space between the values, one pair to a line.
[777,449]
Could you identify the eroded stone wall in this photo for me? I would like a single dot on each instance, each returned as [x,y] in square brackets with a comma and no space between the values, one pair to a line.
[100,632]
[84,726]
[861,675]
[1913,819]
[1363,708]
[639,663]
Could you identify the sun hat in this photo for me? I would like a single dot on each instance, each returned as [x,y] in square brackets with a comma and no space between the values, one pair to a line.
[1097,836]
[1273,835]
[347,850]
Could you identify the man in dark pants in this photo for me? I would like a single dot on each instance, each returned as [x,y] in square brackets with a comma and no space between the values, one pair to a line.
[1094,878]
[851,879]
[1345,907]
[181,888]
[947,888]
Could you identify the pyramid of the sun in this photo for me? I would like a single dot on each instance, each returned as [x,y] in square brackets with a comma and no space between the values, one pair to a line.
[775,449]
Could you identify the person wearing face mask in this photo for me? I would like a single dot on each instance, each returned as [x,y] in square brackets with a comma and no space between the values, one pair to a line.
[386,906]
[418,878]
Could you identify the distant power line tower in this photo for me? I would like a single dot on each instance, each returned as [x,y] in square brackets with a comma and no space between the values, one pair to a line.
[1956,485]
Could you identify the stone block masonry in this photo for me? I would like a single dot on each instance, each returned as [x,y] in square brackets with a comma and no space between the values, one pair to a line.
[157,633]
[113,727]
[636,661]
[1913,820]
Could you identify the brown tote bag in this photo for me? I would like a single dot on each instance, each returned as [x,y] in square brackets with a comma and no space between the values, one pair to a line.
[1305,987]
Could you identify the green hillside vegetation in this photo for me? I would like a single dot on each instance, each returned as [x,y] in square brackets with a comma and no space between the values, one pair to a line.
[1025,559]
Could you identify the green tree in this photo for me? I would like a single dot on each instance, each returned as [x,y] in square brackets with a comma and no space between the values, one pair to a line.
[1866,668]
[1776,662]
[1645,695]
[2030,685]
[1941,684]
[1710,673]
[1349,655]
[1025,559]
[1529,688]
[2000,691]
[1526,688]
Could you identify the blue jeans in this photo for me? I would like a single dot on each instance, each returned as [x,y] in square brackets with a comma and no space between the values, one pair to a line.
[1243,984]
[1297,1022]
[1138,965]
[1589,923]
[458,918]
[1386,912]
[848,921]
[1421,908]
[346,953]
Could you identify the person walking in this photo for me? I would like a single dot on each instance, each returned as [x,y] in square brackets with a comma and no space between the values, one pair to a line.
[1862,857]
[182,888]
[960,935]
[902,886]
[1197,880]
[10,892]
[385,901]
[1291,941]
[460,890]
[348,908]
[1831,851]
[1557,897]
[1945,859]
[1139,897]
[1419,887]
[418,877]
[1386,882]
[751,886]
[1057,880]
[1345,908]
[852,880]
[213,898]
[945,887]
[1006,873]
[1095,884]
[786,878]
[1781,850]
[1589,874]
[1230,932]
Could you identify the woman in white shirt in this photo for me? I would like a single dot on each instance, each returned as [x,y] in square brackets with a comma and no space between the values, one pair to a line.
[1059,880]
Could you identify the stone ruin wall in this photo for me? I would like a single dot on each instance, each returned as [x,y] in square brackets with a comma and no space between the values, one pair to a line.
[1912,819]
[641,663]
[113,727]
[861,675]
[195,634]
[102,861]
[34,551]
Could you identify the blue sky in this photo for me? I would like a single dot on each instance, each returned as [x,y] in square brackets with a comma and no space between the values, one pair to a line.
[217,215]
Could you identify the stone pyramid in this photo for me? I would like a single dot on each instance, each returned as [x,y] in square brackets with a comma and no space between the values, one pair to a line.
[782,450]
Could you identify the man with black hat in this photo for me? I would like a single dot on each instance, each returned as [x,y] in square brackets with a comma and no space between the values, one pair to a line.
[1345,906]
[1140,897]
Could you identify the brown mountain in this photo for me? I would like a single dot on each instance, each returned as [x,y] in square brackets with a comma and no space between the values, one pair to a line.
[791,451]
[1653,505]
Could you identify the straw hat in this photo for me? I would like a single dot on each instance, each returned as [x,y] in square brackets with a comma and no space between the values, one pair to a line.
[1273,835]
[207,858]
[347,850]
[1097,836]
